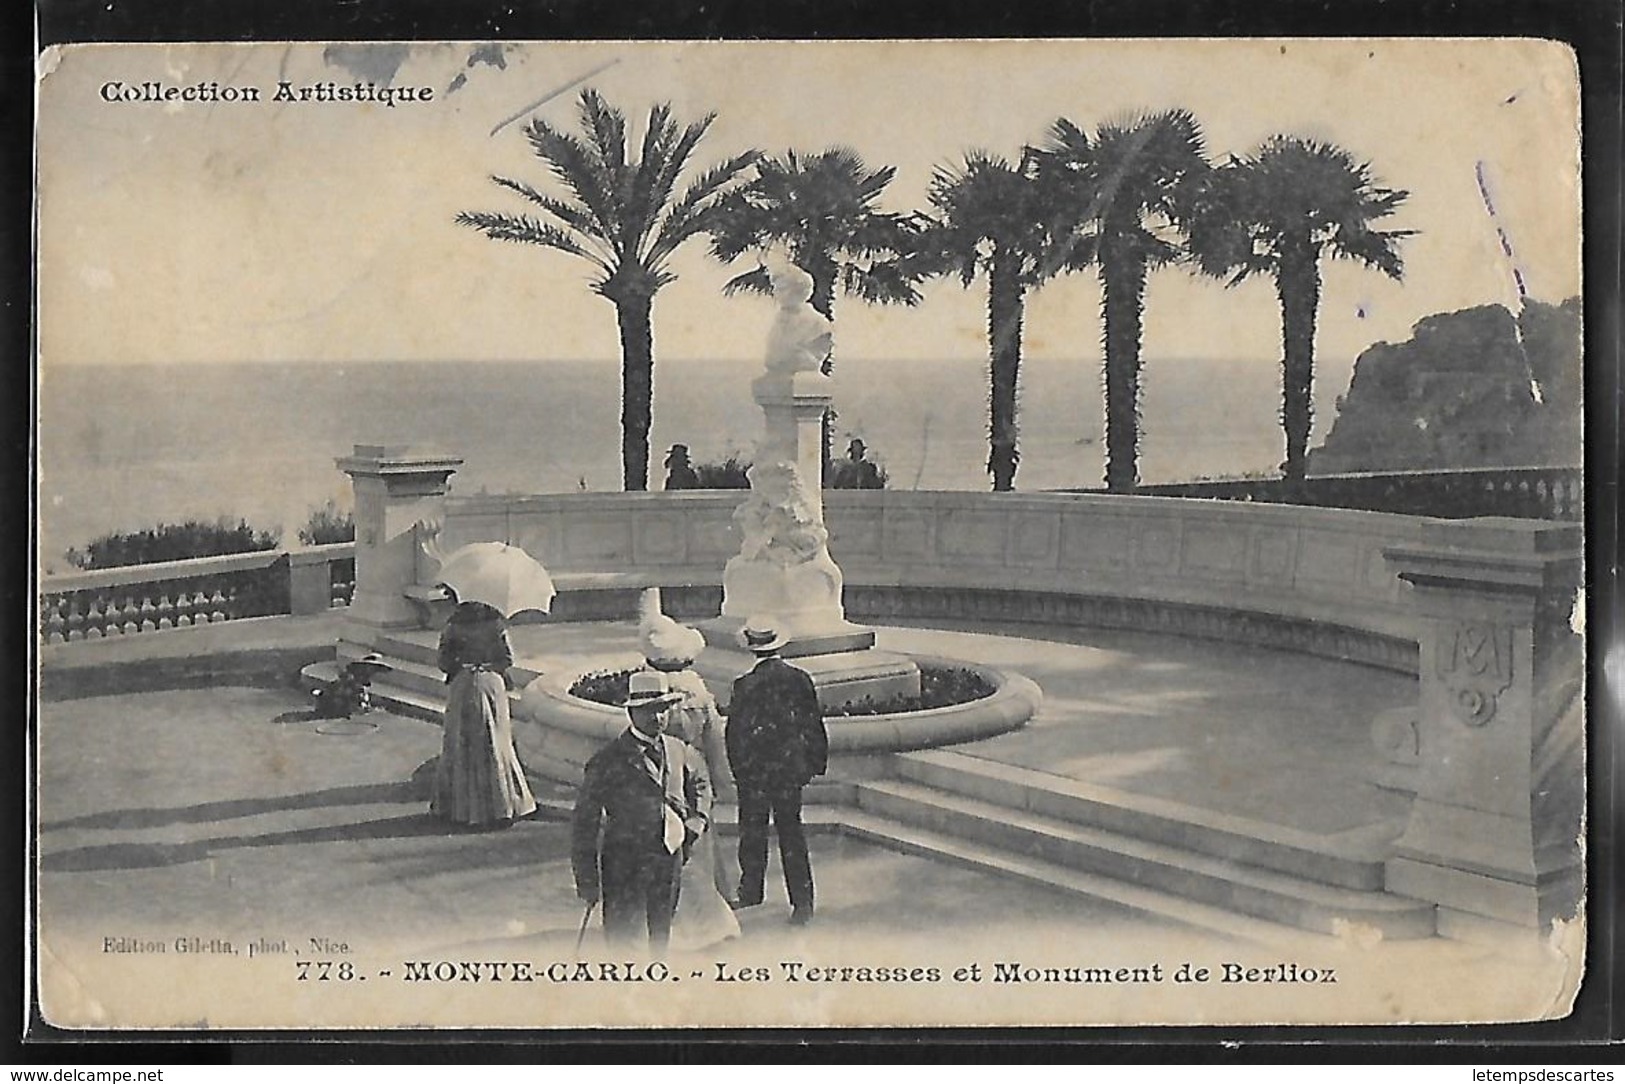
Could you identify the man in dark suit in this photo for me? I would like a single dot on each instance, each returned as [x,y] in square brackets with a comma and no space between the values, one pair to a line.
[776,744]
[644,799]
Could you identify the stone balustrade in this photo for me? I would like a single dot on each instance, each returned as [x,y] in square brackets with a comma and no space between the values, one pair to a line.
[1478,608]
[1311,579]
[1554,493]
[100,603]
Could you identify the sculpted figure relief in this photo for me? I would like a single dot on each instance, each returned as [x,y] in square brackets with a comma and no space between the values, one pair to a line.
[777,522]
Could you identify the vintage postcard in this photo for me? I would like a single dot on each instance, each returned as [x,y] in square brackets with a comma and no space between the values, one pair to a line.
[720,534]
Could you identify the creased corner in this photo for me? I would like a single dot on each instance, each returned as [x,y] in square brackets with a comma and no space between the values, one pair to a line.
[64,1000]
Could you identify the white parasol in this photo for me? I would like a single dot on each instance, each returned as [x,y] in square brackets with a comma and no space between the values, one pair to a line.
[498,575]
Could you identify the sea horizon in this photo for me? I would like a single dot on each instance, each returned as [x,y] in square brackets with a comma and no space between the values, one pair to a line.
[124,446]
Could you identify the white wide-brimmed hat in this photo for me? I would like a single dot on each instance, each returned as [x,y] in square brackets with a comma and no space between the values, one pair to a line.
[650,689]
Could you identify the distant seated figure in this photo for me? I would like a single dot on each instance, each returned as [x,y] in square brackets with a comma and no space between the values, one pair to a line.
[865,475]
[351,693]
[800,338]
[679,470]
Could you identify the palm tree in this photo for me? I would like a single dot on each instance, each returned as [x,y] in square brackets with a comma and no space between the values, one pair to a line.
[1126,190]
[823,209]
[1278,213]
[621,216]
[994,219]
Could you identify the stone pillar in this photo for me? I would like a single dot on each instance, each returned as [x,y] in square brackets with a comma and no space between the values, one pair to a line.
[310,582]
[395,487]
[1493,832]
[793,405]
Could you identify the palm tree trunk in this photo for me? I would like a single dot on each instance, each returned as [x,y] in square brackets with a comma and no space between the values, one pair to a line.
[1005,304]
[1298,286]
[1122,283]
[637,387]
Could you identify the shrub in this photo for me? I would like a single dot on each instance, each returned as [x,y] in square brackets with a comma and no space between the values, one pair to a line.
[603,686]
[856,471]
[940,687]
[728,474]
[174,542]
[856,474]
[327,525]
[682,473]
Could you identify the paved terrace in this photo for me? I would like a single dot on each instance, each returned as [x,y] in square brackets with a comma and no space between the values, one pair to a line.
[186,789]
[1250,732]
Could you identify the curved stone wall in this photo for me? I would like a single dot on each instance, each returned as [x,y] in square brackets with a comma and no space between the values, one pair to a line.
[557,731]
[1310,579]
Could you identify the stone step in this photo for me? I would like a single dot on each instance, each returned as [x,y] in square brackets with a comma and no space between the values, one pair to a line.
[388,697]
[1179,910]
[403,673]
[1218,882]
[421,648]
[1349,861]
[386,694]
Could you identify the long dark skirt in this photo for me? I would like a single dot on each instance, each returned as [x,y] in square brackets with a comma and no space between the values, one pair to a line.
[478,779]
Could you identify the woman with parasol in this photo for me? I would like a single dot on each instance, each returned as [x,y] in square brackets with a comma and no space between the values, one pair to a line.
[479,780]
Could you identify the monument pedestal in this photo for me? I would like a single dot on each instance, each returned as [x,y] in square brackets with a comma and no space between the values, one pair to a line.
[841,677]
[784,571]
[395,488]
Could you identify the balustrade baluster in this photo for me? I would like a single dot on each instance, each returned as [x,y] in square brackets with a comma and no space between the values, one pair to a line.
[166,612]
[96,618]
[129,616]
[217,607]
[185,609]
[149,621]
[55,625]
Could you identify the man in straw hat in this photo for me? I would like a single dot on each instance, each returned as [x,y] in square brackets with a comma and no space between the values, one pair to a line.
[644,798]
[776,745]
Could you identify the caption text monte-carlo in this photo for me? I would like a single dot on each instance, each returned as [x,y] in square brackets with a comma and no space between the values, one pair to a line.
[152,91]
[323,961]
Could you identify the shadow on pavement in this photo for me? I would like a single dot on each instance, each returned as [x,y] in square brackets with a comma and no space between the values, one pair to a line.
[416,788]
[126,856]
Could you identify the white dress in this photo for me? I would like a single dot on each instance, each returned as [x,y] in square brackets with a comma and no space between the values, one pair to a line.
[709,877]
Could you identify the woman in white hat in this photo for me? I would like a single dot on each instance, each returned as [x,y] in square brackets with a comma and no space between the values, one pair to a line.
[704,916]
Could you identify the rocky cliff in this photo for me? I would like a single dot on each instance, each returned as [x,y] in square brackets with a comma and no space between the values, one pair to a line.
[1475,388]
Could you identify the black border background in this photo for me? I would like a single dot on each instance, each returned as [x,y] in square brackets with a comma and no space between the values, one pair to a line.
[1591,27]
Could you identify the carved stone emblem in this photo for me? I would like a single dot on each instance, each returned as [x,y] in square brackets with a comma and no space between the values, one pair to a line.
[1475,663]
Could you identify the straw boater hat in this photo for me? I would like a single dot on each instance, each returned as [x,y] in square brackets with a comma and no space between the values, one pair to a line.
[761,635]
[650,689]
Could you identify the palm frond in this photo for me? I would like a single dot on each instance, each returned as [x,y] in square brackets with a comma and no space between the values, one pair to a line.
[578,169]
[527,230]
[889,282]
[573,218]
[661,174]
[699,207]
[754,281]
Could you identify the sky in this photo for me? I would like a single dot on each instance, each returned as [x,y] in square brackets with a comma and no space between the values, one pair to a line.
[200,233]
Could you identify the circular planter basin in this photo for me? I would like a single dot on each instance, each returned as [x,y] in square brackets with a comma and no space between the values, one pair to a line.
[547,705]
